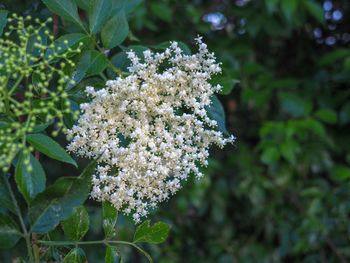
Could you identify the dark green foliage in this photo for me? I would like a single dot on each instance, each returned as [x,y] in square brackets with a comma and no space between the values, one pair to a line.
[3,20]
[49,147]
[30,176]
[76,226]
[9,232]
[115,31]
[59,200]
[76,255]
[154,234]
[111,255]
[110,216]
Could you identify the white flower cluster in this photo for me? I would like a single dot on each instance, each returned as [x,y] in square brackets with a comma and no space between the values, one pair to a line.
[150,128]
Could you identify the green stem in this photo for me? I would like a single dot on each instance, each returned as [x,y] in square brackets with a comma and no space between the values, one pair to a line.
[25,129]
[26,235]
[6,96]
[15,85]
[110,242]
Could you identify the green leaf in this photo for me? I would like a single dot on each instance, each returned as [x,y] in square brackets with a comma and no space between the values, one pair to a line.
[315,10]
[340,173]
[83,4]
[98,14]
[127,5]
[5,196]
[58,201]
[115,30]
[327,115]
[76,255]
[30,176]
[295,105]
[333,56]
[227,84]
[49,147]
[41,127]
[76,226]
[288,8]
[111,255]
[216,112]
[271,5]
[66,9]
[155,234]
[3,20]
[161,10]
[110,216]
[288,150]
[9,232]
[91,63]
[270,155]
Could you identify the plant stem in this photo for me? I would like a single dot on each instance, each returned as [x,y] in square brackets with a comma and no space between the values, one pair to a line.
[15,85]
[19,214]
[110,242]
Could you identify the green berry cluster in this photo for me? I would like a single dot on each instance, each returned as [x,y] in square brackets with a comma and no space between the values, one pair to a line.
[33,77]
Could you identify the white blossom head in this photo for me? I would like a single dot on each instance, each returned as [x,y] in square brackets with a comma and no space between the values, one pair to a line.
[150,128]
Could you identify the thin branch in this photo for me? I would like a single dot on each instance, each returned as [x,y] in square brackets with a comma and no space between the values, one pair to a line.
[26,235]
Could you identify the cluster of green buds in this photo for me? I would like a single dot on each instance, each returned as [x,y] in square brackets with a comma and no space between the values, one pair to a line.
[33,80]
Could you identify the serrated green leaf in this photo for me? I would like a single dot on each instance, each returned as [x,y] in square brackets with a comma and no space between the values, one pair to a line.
[9,232]
[58,201]
[66,9]
[49,147]
[99,12]
[115,30]
[76,226]
[30,176]
[3,20]
[111,255]
[109,217]
[155,234]
[5,196]
[216,112]
[76,255]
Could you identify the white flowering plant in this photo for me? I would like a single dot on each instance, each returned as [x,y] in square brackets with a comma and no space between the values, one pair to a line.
[146,128]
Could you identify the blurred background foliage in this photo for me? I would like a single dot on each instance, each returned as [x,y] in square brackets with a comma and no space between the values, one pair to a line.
[281,193]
